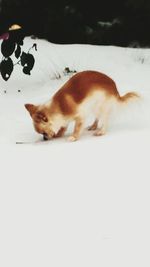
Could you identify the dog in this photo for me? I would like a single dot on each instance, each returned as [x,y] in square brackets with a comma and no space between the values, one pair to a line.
[84,94]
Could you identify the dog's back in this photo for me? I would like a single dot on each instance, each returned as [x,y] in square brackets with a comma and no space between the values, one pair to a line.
[83,87]
[84,83]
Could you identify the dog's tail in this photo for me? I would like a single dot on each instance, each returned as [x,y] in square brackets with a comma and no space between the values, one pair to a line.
[127,106]
[129,97]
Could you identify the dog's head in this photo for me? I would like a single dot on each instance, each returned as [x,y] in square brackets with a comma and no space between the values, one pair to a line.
[41,121]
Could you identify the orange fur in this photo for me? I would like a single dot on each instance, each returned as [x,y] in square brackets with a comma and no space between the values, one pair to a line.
[129,96]
[85,93]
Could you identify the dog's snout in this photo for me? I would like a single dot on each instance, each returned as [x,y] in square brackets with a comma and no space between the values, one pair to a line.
[48,136]
[45,137]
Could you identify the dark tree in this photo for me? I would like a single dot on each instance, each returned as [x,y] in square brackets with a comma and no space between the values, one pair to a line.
[115,22]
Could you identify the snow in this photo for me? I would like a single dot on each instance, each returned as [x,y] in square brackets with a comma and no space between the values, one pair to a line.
[75,204]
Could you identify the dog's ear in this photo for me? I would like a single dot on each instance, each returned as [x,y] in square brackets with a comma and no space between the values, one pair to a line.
[40,116]
[31,108]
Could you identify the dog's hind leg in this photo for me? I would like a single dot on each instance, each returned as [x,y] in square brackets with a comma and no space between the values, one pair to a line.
[94,126]
[104,119]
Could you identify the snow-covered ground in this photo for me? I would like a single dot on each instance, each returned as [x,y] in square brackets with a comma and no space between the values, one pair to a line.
[75,204]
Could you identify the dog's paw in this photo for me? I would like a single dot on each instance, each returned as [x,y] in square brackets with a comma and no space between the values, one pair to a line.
[92,128]
[72,138]
[99,132]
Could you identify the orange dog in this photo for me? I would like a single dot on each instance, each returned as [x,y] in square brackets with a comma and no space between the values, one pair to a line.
[86,93]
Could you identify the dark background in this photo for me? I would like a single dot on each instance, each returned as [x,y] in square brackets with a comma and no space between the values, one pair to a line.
[102,22]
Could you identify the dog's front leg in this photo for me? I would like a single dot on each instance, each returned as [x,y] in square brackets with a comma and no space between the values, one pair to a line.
[61,132]
[79,124]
